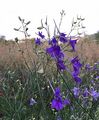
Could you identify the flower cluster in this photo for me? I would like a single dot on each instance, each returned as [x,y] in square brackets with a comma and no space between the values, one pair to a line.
[56,53]
[76,69]
[84,89]
[73,43]
[58,103]
[86,93]
[38,40]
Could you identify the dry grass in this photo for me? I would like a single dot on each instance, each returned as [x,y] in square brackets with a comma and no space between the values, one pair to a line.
[11,55]
[88,51]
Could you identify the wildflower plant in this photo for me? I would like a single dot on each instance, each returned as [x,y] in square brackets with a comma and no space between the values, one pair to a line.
[57,87]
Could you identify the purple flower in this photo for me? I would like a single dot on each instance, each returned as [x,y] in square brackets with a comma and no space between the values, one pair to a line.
[73,43]
[87,67]
[32,102]
[66,102]
[41,35]
[57,92]
[86,92]
[97,77]
[77,79]
[54,41]
[61,65]
[76,69]
[57,103]
[37,41]
[54,51]
[94,94]
[76,63]
[76,91]
[63,38]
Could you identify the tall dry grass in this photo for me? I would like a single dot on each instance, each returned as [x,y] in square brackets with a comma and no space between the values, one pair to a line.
[88,50]
[13,55]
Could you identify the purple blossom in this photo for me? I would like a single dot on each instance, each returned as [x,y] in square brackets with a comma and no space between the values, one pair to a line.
[73,43]
[61,65]
[77,79]
[32,102]
[92,81]
[66,102]
[60,56]
[94,94]
[54,41]
[58,103]
[76,69]
[76,91]
[54,51]
[76,63]
[97,77]
[37,41]
[41,35]
[86,92]
[87,67]
[57,91]
[63,38]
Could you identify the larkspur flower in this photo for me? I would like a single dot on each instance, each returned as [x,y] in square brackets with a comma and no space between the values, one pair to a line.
[53,41]
[63,38]
[57,91]
[94,94]
[73,43]
[87,67]
[97,77]
[54,51]
[76,91]
[86,92]
[58,103]
[41,35]
[66,102]
[38,41]
[76,69]
[32,102]
[76,63]
[77,79]
[61,65]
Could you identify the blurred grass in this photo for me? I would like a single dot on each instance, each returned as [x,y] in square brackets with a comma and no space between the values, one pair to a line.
[11,54]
